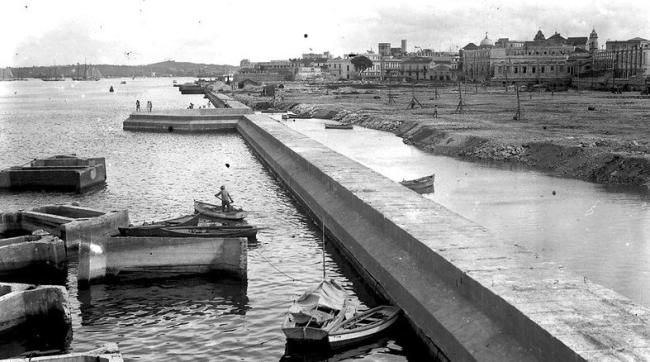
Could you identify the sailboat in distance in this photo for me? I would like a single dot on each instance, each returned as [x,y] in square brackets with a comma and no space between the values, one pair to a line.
[86,72]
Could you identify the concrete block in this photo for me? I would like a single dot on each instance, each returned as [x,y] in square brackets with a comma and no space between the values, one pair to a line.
[104,257]
[31,256]
[110,352]
[20,303]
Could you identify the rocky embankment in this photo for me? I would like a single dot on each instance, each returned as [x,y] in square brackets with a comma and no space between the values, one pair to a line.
[625,164]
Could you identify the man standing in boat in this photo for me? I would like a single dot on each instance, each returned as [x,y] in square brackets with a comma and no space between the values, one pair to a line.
[224,195]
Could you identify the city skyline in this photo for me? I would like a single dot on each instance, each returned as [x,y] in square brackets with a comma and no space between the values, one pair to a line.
[143,32]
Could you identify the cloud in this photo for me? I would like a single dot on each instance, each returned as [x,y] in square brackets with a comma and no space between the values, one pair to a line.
[69,43]
[225,32]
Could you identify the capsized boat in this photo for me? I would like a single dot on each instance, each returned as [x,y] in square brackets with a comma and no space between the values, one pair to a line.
[213,210]
[363,326]
[422,185]
[150,229]
[311,317]
[338,126]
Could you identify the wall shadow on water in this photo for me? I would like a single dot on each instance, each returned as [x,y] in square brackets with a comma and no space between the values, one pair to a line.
[145,300]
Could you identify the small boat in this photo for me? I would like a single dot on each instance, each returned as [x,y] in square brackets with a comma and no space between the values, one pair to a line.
[213,210]
[123,82]
[363,326]
[311,317]
[291,115]
[338,126]
[209,232]
[151,229]
[422,185]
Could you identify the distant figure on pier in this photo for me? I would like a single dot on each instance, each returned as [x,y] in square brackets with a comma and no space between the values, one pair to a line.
[149,105]
[137,105]
[191,106]
[435,111]
[224,195]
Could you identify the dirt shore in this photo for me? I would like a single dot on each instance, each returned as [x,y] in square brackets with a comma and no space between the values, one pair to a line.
[595,136]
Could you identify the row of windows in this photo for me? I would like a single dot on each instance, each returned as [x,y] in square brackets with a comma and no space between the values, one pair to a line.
[533,69]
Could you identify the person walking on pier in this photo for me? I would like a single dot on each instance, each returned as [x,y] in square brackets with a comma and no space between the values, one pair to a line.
[226,199]
[435,111]
[149,106]
[137,105]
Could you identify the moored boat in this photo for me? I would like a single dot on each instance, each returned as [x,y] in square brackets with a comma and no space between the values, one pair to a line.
[422,185]
[315,312]
[151,229]
[363,326]
[338,126]
[209,232]
[215,211]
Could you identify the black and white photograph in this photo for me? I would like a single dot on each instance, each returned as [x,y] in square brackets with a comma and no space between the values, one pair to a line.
[389,181]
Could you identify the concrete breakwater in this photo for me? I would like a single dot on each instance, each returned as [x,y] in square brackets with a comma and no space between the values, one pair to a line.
[468,294]
[585,161]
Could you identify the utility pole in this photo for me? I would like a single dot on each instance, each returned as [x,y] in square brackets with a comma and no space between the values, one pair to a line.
[517,116]
[459,107]
[414,100]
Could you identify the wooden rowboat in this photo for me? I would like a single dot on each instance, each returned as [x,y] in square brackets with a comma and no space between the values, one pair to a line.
[209,232]
[313,314]
[212,210]
[364,326]
[151,229]
[422,185]
[338,126]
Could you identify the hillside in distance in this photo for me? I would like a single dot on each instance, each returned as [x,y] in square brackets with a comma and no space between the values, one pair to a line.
[167,68]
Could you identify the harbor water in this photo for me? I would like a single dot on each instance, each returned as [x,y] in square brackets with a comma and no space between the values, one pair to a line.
[157,176]
[599,232]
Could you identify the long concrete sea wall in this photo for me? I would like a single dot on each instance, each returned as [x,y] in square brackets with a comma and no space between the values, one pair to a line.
[468,294]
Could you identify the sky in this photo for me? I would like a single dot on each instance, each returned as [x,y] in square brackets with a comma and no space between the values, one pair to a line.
[45,32]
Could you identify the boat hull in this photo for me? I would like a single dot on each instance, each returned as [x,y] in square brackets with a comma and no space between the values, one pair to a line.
[340,336]
[422,185]
[215,211]
[338,126]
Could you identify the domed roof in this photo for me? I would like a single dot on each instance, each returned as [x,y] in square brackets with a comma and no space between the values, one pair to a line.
[486,41]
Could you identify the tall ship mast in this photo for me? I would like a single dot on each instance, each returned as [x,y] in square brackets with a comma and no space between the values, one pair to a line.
[86,73]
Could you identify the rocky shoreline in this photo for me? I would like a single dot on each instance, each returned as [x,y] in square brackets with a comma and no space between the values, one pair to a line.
[626,164]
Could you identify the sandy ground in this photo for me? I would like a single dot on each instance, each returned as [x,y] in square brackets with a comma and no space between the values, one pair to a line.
[596,136]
